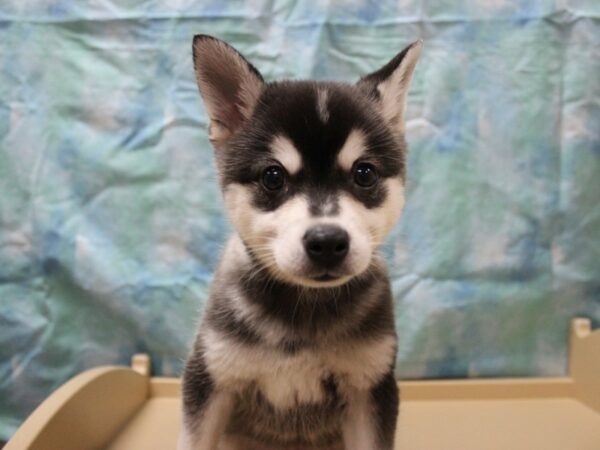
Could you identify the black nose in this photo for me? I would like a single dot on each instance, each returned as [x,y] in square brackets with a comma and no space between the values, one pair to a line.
[326,245]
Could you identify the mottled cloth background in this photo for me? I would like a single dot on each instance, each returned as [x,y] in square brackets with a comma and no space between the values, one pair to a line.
[111,222]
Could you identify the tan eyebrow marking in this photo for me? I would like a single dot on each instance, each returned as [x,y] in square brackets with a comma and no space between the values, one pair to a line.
[286,153]
[352,149]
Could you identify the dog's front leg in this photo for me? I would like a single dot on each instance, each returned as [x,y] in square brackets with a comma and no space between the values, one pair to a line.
[370,421]
[203,430]
[206,407]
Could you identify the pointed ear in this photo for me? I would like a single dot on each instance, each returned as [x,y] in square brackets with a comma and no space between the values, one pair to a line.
[389,84]
[230,86]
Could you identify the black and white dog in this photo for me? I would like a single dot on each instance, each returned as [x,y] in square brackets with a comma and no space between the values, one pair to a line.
[297,345]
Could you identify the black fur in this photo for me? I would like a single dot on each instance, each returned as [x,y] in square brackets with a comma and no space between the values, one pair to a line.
[197,384]
[288,108]
[223,318]
[305,312]
[386,400]
[379,320]
[309,424]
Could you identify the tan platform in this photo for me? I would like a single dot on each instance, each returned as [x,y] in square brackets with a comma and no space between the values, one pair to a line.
[121,408]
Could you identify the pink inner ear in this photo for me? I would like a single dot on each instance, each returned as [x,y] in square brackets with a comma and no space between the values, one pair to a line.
[220,91]
[229,85]
[229,101]
[230,117]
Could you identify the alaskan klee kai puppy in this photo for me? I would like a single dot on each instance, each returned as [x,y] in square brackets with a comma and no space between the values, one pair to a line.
[297,345]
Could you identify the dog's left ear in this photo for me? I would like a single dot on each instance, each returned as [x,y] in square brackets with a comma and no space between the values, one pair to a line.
[389,85]
[229,84]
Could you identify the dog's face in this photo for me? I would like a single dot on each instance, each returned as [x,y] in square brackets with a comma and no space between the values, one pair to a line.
[312,172]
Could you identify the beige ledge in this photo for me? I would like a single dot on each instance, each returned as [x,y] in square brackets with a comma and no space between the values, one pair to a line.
[118,408]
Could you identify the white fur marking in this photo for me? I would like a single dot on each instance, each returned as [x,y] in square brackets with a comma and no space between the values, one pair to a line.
[285,381]
[378,221]
[290,380]
[375,357]
[276,236]
[322,105]
[286,153]
[358,430]
[352,149]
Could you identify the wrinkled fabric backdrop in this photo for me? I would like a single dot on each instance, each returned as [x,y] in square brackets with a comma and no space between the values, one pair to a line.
[111,222]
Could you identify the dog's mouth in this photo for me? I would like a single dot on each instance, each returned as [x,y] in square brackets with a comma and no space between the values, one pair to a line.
[329,276]
[318,279]
[326,277]
[326,280]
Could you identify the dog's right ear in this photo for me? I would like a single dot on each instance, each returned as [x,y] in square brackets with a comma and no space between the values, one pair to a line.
[230,86]
[389,85]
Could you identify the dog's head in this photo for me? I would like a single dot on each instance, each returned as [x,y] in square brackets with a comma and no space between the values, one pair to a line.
[312,172]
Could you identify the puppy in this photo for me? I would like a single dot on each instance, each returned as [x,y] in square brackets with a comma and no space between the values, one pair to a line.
[297,344]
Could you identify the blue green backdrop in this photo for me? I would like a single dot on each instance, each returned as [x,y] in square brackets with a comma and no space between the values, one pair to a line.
[111,222]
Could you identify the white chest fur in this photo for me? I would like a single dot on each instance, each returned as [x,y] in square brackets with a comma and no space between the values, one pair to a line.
[288,380]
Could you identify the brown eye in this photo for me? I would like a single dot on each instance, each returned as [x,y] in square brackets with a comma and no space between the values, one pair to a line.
[365,175]
[273,178]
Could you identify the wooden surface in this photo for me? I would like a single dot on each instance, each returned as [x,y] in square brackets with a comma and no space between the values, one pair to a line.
[85,412]
[124,409]
[547,424]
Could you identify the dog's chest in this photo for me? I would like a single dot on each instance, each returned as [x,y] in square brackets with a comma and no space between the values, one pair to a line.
[304,377]
[295,379]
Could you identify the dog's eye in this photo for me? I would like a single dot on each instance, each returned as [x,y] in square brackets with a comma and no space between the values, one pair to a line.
[273,178]
[365,175]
